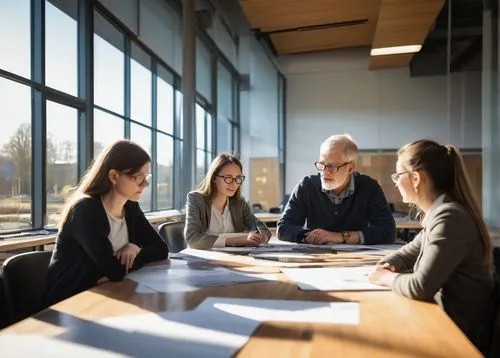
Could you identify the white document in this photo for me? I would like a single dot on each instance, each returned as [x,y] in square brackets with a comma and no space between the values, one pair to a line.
[221,239]
[261,248]
[333,278]
[32,345]
[189,276]
[218,327]
[261,310]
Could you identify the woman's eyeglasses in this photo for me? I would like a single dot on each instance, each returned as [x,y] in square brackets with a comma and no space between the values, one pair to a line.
[395,176]
[332,168]
[141,178]
[229,179]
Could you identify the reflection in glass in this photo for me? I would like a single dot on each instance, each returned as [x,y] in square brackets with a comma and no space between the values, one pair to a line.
[107,130]
[60,50]
[142,136]
[165,172]
[15,156]
[165,121]
[62,138]
[109,82]
[15,38]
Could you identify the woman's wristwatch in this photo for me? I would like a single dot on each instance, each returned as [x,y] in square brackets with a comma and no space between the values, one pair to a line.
[345,236]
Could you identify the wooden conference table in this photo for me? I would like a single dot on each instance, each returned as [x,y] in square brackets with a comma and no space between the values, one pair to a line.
[390,325]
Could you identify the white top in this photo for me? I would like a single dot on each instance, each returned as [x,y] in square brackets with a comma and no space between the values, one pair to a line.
[118,233]
[220,224]
[439,200]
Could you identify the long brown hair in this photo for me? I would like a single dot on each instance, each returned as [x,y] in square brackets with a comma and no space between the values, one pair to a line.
[124,156]
[207,185]
[445,168]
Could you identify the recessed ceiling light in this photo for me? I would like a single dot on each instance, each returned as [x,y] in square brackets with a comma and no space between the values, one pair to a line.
[395,50]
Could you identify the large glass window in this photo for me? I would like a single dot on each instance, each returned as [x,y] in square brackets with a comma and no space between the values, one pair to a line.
[140,105]
[60,49]
[165,172]
[15,156]
[15,37]
[107,130]
[109,68]
[142,136]
[203,141]
[226,110]
[165,109]
[61,169]
[203,70]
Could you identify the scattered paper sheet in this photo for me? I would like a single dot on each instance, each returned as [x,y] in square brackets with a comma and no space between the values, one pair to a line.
[218,327]
[31,345]
[283,310]
[333,278]
[189,276]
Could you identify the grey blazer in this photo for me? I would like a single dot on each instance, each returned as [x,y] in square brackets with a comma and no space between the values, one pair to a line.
[445,262]
[198,213]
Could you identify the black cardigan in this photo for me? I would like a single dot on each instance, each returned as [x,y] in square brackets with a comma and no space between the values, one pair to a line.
[83,253]
[365,210]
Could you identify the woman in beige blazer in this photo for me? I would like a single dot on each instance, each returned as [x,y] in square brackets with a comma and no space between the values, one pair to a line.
[450,260]
[217,207]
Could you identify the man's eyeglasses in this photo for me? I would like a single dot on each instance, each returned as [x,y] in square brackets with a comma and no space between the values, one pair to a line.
[141,178]
[229,179]
[332,168]
[395,176]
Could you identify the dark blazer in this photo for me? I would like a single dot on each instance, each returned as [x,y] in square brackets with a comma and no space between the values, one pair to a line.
[445,263]
[83,253]
[199,211]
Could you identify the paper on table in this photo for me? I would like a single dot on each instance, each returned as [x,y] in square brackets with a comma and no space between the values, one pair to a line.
[31,345]
[189,277]
[221,239]
[333,278]
[283,310]
[218,327]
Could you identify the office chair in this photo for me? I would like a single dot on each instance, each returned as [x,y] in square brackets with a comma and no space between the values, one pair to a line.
[24,278]
[173,235]
[275,210]
[257,208]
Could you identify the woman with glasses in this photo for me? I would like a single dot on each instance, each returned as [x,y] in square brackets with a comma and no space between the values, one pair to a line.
[450,260]
[217,207]
[103,233]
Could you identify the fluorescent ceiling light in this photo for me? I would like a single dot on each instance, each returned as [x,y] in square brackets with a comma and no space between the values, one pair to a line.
[395,50]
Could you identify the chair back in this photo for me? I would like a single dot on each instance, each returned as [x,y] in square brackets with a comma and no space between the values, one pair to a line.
[275,210]
[24,277]
[173,235]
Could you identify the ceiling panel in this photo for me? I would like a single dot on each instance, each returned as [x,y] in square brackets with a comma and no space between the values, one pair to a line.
[326,39]
[271,15]
[401,23]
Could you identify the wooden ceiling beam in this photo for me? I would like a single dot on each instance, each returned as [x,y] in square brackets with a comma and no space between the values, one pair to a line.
[402,23]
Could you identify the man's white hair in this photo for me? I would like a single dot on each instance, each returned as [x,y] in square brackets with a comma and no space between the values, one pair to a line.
[343,142]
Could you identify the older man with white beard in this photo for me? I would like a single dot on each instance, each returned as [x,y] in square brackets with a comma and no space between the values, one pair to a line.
[338,205]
